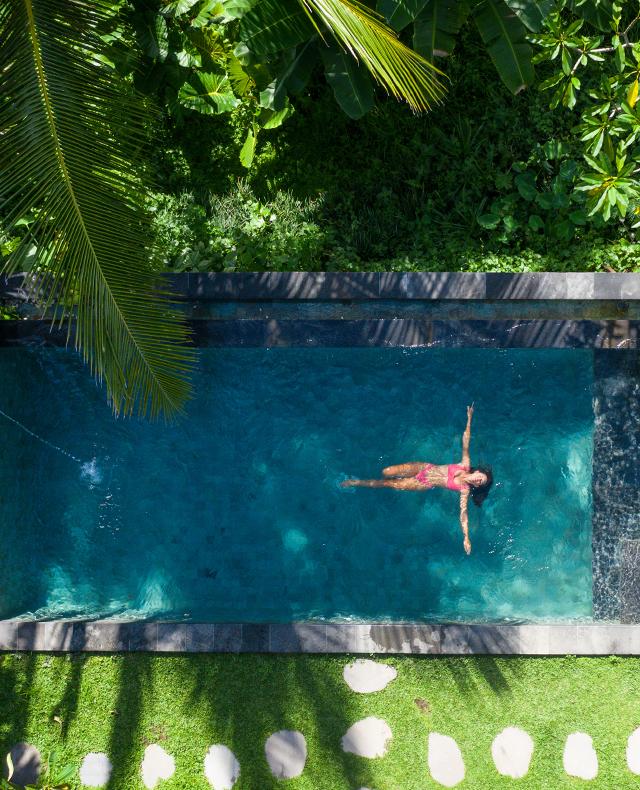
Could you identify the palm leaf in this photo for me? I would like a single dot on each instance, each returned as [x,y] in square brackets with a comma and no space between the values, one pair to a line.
[69,134]
[362,33]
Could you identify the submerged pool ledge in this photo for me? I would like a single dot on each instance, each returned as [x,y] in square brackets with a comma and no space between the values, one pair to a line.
[104,636]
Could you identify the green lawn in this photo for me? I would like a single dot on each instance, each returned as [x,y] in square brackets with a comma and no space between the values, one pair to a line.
[118,704]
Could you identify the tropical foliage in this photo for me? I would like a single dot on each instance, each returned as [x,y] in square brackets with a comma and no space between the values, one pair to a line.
[71,133]
[596,75]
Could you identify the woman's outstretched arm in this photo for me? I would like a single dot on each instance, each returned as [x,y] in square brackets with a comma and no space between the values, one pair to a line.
[464,521]
[466,437]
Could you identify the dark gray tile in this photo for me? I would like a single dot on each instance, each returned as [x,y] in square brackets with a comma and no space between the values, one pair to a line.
[67,636]
[530,285]
[298,638]
[101,636]
[177,283]
[31,636]
[172,637]
[432,285]
[324,285]
[8,634]
[141,636]
[227,637]
[617,286]
[341,638]
[219,285]
[255,638]
[455,639]
[200,637]
[404,638]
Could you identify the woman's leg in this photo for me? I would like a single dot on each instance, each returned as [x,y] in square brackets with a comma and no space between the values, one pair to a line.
[401,484]
[404,470]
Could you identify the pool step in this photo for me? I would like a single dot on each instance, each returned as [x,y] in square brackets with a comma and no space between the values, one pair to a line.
[630,580]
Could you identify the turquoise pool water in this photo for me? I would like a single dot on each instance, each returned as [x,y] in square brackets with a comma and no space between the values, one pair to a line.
[236,514]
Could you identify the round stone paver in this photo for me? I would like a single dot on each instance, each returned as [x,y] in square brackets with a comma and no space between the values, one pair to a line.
[221,767]
[26,764]
[367,738]
[445,760]
[286,752]
[156,765]
[633,751]
[366,676]
[512,750]
[95,770]
[579,757]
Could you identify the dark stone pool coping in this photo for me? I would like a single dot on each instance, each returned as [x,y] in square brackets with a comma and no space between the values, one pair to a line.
[320,638]
[406,285]
[239,286]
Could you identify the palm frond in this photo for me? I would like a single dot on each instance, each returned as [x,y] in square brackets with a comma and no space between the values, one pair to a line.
[70,134]
[362,32]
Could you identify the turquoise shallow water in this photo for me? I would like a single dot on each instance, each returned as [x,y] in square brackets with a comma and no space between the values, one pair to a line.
[235,513]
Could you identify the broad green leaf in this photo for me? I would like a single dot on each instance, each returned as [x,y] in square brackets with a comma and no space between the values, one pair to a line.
[488,221]
[241,82]
[71,141]
[531,13]
[350,82]
[436,28]
[236,9]
[505,38]
[400,13]
[274,119]
[526,185]
[178,7]
[294,76]
[274,25]
[210,94]
[536,222]
[248,150]
[208,11]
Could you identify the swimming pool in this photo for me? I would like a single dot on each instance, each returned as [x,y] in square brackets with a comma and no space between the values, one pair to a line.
[236,513]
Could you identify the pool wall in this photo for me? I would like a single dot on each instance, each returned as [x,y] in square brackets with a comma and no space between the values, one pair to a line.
[360,309]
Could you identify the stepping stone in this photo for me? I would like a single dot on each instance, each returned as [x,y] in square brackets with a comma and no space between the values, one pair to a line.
[221,767]
[26,764]
[95,770]
[633,752]
[156,765]
[286,753]
[579,757]
[511,751]
[366,676]
[367,738]
[445,760]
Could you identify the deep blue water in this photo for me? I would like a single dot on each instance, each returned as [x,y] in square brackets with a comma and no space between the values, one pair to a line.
[235,513]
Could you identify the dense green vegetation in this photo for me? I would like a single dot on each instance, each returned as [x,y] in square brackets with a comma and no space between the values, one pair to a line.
[486,181]
[118,704]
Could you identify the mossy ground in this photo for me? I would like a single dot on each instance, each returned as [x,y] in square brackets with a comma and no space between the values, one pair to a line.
[118,704]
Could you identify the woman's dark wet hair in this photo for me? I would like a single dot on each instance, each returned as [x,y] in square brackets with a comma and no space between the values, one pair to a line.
[480,493]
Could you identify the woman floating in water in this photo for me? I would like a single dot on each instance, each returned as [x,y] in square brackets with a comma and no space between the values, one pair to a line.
[467,480]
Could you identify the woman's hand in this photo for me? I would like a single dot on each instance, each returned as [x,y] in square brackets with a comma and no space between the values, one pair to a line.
[467,545]
[469,412]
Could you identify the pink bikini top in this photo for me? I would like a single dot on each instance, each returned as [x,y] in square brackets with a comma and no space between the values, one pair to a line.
[452,469]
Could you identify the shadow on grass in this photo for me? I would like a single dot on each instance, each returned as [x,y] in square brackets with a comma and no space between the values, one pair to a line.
[17,674]
[67,707]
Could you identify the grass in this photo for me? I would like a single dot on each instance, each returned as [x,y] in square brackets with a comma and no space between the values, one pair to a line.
[118,704]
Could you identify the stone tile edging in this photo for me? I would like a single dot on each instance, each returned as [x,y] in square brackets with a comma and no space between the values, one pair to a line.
[366,638]
[327,286]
